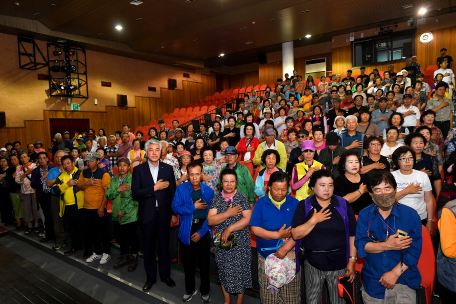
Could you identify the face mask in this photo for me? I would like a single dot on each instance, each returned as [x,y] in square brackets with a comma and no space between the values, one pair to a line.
[384,201]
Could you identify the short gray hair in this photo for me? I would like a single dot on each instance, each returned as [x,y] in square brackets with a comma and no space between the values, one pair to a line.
[164,142]
[151,141]
[58,135]
[61,151]
[351,117]
[112,136]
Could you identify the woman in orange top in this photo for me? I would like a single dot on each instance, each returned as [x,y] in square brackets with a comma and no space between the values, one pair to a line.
[136,155]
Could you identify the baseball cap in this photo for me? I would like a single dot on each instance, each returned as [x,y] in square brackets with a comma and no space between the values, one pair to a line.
[407,96]
[161,121]
[308,145]
[332,139]
[179,130]
[185,153]
[66,132]
[231,150]
[399,74]
[80,138]
[3,149]
[268,131]
[92,156]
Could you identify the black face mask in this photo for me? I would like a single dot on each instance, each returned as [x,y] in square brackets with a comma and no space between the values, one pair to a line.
[384,202]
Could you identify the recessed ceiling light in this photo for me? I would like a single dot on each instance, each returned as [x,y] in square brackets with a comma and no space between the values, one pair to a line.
[422,11]
[253,22]
[101,34]
[136,2]
[163,47]
[302,12]
[53,4]
[17,3]
[221,55]
[249,42]
[308,36]
[307,11]
[118,27]
[139,19]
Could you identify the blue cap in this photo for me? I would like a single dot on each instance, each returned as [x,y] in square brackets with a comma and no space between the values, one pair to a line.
[230,150]
[80,138]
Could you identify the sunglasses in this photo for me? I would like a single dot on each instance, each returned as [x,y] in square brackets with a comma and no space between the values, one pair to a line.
[301,136]
[308,151]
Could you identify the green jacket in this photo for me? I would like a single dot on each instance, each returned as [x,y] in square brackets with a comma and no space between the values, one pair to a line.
[245,183]
[126,203]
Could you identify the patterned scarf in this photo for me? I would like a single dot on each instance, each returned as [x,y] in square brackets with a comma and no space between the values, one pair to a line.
[228,198]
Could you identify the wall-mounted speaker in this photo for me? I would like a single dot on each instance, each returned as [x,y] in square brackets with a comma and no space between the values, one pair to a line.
[122,100]
[172,84]
[2,119]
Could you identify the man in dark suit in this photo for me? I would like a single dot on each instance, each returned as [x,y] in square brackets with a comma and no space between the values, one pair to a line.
[153,186]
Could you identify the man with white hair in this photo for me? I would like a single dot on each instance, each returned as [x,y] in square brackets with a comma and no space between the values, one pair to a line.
[167,158]
[60,143]
[352,139]
[153,186]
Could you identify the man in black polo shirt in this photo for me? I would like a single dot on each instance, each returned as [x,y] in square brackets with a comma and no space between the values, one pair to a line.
[363,72]
[358,106]
[349,78]
[448,58]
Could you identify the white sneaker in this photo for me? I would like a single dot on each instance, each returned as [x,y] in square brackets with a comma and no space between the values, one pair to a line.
[188,297]
[93,257]
[105,258]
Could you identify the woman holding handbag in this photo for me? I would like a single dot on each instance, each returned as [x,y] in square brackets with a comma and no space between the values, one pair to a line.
[230,214]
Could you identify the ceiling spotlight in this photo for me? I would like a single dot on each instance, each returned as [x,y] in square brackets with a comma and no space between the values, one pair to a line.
[71,87]
[221,55]
[118,27]
[422,11]
[253,22]
[17,3]
[57,52]
[62,87]
[73,68]
[52,4]
[308,36]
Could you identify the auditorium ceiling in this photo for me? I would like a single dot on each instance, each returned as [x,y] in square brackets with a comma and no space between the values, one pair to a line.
[194,32]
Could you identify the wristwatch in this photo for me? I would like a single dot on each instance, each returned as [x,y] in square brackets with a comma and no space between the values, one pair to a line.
[354,258]
[430,220]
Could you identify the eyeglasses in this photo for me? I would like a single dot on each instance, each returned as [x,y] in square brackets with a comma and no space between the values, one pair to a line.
[375,144]
[308,151]
[301,136]
[403,160]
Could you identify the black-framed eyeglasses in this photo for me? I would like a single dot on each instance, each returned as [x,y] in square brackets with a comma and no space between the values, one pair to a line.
[308,151]
[301,136]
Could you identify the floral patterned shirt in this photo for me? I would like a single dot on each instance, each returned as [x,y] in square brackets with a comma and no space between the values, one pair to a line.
[213,170]
[25,183]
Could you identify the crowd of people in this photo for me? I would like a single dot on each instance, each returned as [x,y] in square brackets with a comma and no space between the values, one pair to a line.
[346,169]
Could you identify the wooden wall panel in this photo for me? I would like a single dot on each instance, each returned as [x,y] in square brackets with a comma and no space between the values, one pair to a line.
[270,72]
[428,53]
[342,61]
[244,79]
[112,119]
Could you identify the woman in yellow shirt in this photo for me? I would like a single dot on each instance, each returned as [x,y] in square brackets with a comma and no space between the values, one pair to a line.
[136,155]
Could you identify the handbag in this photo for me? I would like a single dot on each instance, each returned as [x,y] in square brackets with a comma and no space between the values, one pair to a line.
[350,292]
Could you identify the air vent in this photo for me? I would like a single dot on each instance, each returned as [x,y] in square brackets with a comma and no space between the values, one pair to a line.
[186,75]
[106,84]
[152,89]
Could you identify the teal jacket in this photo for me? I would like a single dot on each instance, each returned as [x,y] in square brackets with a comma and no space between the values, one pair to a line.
[122,201]
[245,183]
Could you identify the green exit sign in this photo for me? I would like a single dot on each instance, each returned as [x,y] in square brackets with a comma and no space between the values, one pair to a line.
[74,107]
